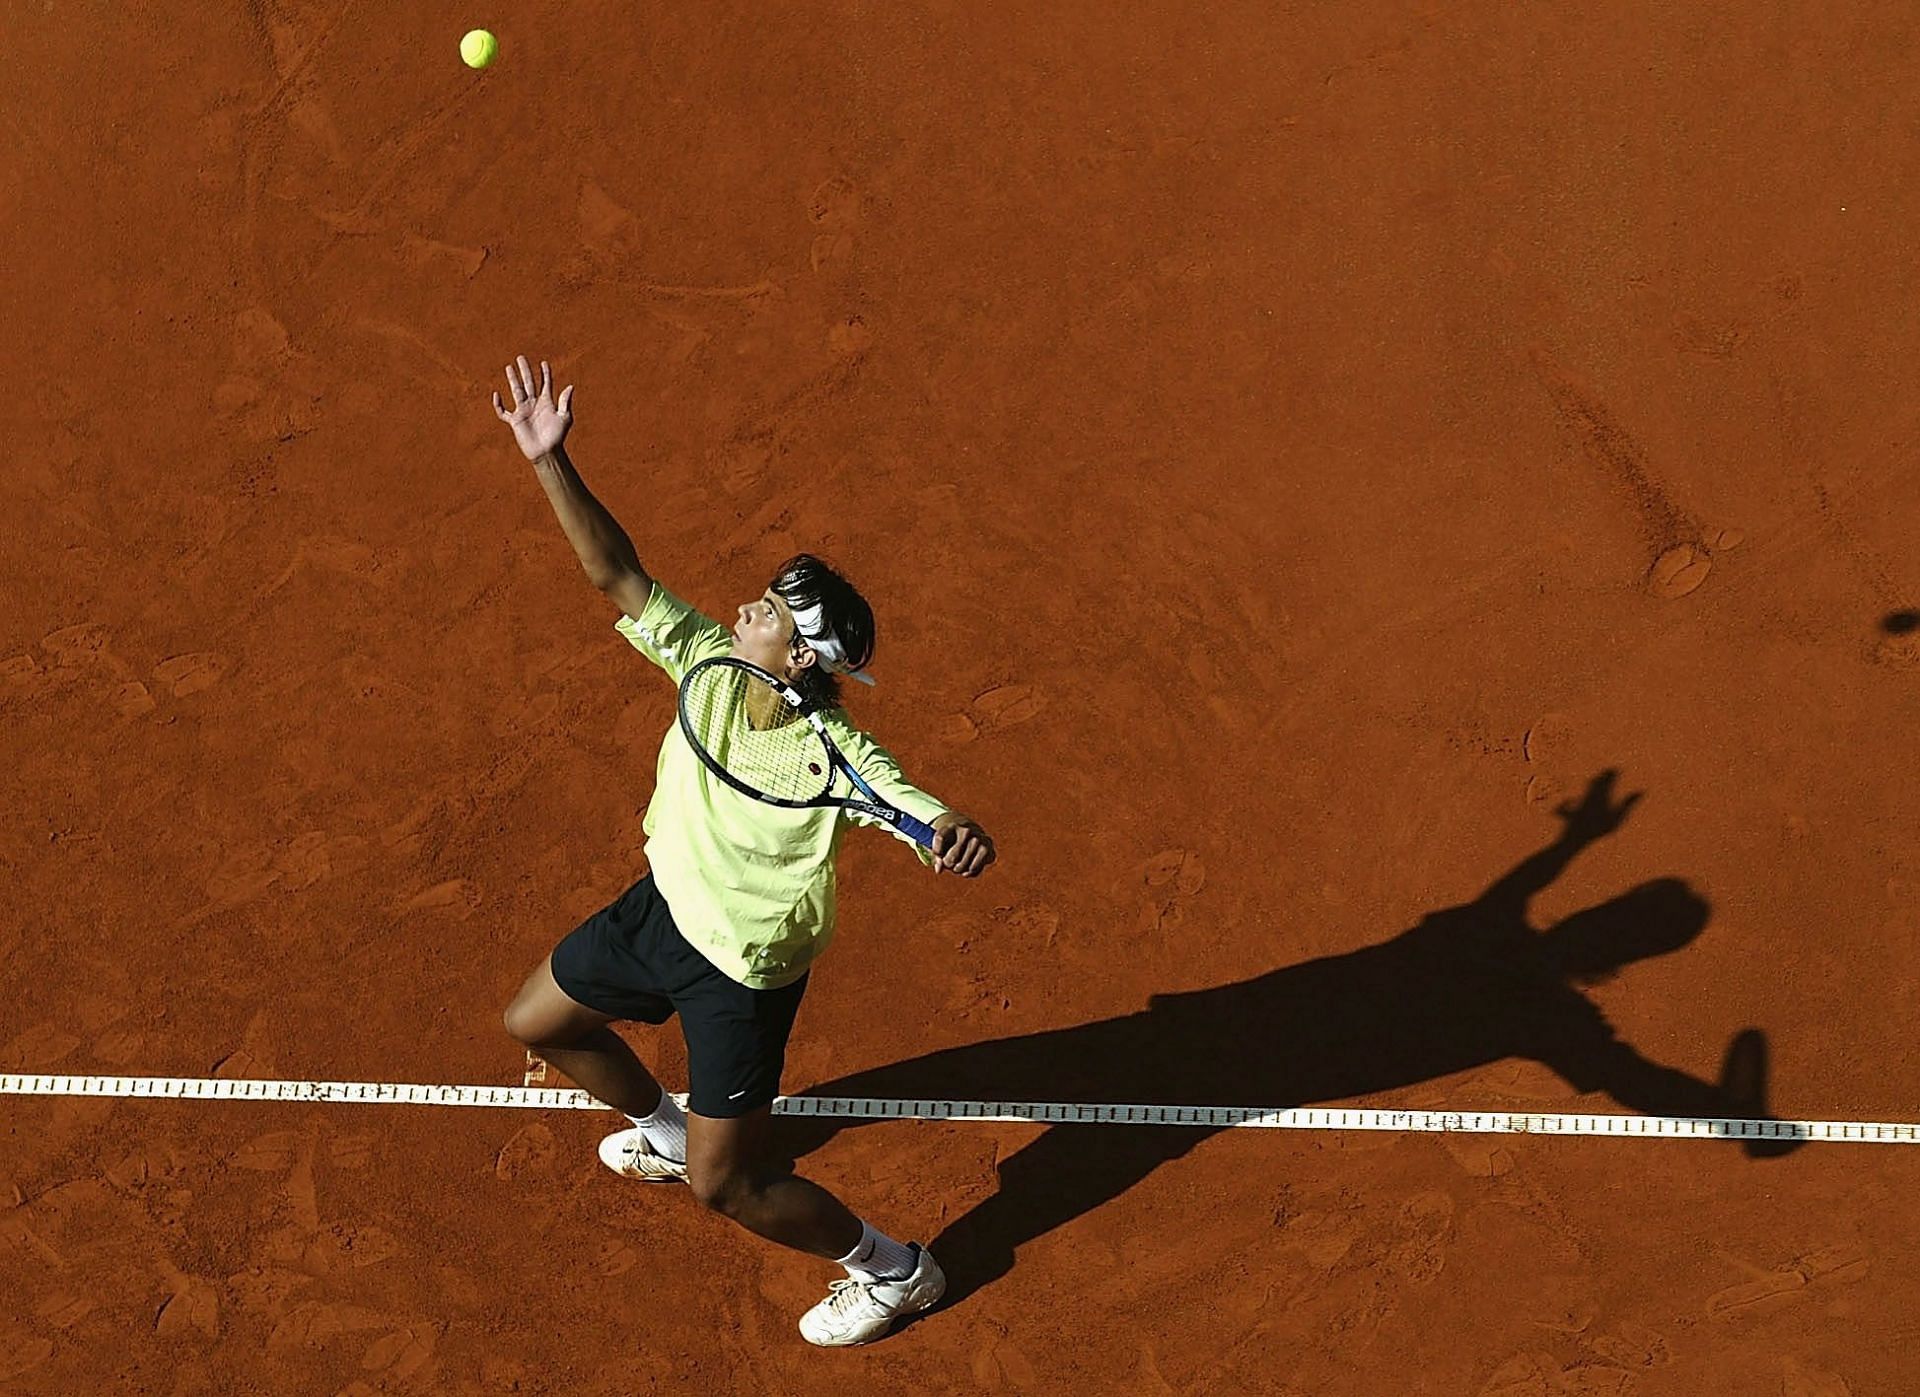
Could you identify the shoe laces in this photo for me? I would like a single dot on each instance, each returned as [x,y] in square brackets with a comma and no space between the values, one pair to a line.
[845,1295]
[643,1150]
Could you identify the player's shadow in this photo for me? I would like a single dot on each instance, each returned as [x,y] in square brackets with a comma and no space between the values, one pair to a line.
[1467,986]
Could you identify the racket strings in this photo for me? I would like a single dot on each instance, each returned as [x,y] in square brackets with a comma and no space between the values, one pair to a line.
[746,728]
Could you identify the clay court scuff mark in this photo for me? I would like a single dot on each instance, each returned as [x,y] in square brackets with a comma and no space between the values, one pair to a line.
[1799,1380]
[1681,561]
[829,250]
[614,1257]
[192,1304]
[1834,1265]
[15,1232]
[43,1043]
[1170,879]
[1001,707]
[406,334]
[749,451]
[1690,335]
[259,140]
[1897,645]
[63,1309]
[760,290]
[423,252]
[1633,1346]
[1794,446]
[1382,58]
[275,35]
[1424,1229]
[336,554]
[834,201]
[21,1353]
[264,129]
[530,1152]
[185,675]
[611,239]
[999,1364]
[1537,1374]
[405,149]
[350,1151]
[1871,566]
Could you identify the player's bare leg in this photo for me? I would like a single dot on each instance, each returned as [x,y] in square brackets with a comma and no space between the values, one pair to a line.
[731,1168]
[576,1040]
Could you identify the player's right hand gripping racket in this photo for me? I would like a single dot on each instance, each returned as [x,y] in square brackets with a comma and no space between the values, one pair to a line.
[758,734]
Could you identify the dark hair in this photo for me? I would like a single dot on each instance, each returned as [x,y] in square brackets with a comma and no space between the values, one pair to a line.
[804,581]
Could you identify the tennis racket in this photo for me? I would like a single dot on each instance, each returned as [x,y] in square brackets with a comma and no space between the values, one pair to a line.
[758,734]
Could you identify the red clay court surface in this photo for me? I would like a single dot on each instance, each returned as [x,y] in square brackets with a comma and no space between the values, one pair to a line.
[1265,433]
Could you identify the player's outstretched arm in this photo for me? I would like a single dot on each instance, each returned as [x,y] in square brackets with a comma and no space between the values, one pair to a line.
[1596,816]
[540,427]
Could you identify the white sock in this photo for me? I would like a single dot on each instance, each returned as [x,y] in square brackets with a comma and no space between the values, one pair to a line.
[877,1257]
[666,1128]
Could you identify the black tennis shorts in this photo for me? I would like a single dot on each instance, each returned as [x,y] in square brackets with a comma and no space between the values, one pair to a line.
[629,960]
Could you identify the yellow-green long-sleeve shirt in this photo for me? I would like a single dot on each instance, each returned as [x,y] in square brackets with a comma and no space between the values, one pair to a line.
[751,885]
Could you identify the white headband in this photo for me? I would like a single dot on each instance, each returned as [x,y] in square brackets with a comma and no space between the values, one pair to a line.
[814,630]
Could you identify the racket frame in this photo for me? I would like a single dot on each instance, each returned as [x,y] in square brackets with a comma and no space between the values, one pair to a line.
[874,805]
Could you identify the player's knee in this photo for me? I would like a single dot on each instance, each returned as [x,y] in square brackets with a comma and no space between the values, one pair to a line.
[519,1024]
[722,1188]
[532,1025]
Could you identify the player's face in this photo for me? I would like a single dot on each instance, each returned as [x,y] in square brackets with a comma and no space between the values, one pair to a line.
[763,634]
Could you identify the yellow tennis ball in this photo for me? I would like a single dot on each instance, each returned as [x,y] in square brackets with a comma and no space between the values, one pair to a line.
[478,48]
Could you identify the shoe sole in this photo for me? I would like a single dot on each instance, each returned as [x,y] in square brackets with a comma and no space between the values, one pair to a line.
[650,1178]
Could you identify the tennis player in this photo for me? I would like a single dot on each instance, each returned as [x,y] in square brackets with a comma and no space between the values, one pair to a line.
[738,903]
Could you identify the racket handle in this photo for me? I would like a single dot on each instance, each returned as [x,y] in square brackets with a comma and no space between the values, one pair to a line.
[921,834]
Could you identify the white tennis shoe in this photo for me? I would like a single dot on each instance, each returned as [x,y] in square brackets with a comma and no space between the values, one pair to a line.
[858,1312]
[628,1153]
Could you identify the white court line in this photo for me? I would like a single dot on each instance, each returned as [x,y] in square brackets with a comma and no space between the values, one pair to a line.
[1044,1113]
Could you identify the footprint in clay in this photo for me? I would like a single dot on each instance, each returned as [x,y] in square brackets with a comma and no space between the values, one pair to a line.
[1682,568]
[1007,706]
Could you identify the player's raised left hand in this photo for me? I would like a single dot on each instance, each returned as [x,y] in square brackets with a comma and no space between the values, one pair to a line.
[539,423]
[960,846]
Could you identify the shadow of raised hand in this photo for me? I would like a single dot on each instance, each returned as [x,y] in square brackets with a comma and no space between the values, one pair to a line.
[1596,816]
[1464,987]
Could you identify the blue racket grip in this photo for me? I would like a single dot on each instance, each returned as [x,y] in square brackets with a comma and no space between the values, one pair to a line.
[921,834]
